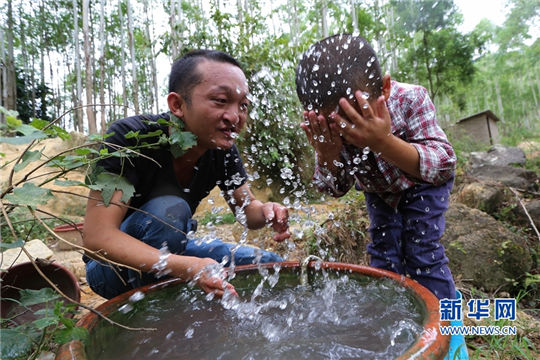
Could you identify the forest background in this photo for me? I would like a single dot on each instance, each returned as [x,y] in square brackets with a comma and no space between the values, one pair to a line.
[66,55]
[84,64]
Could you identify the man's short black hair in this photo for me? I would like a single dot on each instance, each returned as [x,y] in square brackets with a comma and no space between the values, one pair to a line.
[184,76]
[336,67]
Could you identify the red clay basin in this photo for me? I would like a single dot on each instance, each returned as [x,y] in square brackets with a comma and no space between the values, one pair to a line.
[429,344]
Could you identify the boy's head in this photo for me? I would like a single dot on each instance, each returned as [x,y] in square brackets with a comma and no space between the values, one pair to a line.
[336,67]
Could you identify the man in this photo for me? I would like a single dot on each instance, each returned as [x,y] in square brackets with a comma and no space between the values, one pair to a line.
[208,96]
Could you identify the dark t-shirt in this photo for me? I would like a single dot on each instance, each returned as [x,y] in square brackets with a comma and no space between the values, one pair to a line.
[216,167]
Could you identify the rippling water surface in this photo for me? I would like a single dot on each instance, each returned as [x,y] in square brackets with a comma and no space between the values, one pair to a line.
[334,317]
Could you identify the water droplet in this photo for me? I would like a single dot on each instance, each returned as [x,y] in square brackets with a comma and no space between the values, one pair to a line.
[427,209]
[189,332]
[343,124]
[365,95]
[348,91]
[315,67]
[418,271]
[321,138]
[365,106]
[137,296]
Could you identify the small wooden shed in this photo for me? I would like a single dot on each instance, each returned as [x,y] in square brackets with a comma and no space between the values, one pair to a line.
[482,127]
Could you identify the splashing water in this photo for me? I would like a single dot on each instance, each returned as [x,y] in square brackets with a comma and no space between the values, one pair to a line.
[346,316]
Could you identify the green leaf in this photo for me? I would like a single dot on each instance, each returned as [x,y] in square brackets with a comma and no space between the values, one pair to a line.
[99,137]
[39,123]
[13,122]
[131,134]
[27,158]
[85,151]
[30,195]
[15,244]
[69,183]
[63,336]
[108,183]
[31,297]
[181,141]
[29,130]
[21,140]
[16,343]
[45,322]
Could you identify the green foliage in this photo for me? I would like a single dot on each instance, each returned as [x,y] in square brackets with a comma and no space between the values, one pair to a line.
[441,57]
[217,218]
[53,325]
[30,195]
[108,183]
[180,141]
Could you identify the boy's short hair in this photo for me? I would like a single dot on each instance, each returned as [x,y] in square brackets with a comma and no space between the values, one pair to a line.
[184,76]
[336,67]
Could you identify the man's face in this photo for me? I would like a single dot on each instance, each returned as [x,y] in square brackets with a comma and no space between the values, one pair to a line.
[219,105]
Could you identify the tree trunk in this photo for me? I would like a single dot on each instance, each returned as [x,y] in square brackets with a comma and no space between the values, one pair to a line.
[9,91]
[149,35]
[102,44]
[294,22]
[133,60]
[123,68]
[172,22]
[324,11]
[78,124]
[3,76]
[90,113]
[42,48]
[499,100]
[354,17]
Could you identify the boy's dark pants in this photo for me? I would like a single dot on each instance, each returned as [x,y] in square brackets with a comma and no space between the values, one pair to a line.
[406,240]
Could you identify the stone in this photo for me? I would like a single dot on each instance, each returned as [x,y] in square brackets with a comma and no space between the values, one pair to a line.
[482,196]
[498,155]
[36,248]
[507,175]
[482,251]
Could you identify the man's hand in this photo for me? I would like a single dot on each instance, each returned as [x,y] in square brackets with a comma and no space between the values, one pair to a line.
[203,270]
[278,216]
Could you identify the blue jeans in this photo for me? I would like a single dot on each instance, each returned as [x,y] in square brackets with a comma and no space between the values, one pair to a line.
[104,279]
[406,240]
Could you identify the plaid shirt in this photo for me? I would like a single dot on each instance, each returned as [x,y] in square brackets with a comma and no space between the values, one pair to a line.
[413,120]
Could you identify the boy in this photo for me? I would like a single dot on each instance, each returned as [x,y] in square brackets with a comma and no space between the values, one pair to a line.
[382,135]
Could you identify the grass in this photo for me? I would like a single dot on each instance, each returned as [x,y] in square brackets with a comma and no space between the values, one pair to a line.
[217,218]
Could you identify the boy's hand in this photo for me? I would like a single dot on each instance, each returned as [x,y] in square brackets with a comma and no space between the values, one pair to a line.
[369,125]
[324,136]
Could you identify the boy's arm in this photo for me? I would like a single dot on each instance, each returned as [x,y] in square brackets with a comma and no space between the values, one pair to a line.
[437,159]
